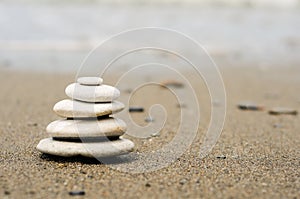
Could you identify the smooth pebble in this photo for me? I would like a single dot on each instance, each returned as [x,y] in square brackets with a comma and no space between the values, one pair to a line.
[90,81]
[172,83]
[91,149]
[283,111]
[76,109]
[136,109]
[87,128]
[250,106]
[77,193]
[102,93]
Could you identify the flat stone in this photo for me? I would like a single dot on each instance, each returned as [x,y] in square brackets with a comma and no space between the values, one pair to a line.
[172,83]
[136,109]
[283,111]
[76,109]
[77,193]
[91,149]
[90,81]
[250,106]
[107,127]
[102,93]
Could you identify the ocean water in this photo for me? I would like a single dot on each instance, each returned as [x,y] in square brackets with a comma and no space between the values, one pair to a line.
[253,3]
[56,36]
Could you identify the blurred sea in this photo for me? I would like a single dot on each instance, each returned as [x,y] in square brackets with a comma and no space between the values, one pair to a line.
[56,36]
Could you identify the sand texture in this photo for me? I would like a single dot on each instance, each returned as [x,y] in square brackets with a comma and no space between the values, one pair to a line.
[257,155]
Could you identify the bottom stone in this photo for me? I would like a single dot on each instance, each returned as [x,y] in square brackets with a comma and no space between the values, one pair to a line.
[89,149]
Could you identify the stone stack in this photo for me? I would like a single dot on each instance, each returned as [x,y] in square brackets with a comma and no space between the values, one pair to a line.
[88,128]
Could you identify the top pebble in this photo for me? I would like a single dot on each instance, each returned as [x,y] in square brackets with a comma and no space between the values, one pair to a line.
[90,81]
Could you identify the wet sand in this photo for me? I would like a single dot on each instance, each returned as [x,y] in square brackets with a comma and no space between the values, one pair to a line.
[257,155]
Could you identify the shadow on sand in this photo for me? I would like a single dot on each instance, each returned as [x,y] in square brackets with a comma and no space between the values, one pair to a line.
[85,160]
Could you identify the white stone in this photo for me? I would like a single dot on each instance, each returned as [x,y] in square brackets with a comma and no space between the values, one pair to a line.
[90,81]
[75,109]
[90,149]
[86,128]
[102,93]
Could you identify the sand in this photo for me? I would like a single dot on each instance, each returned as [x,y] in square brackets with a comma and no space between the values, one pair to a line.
[257,155]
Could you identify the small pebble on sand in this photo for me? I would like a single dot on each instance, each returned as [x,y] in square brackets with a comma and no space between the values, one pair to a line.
[283,111]
[223,157]
[136,109]
[172,83]
[77,193]
[183,181]
[32,124]
[149,119]
[155,134]
[250,106]
[6,193]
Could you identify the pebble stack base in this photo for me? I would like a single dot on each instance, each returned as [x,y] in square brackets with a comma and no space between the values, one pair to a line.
[88,129]
[91,150]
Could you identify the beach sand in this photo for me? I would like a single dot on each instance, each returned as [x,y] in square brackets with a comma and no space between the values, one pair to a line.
[258,153]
